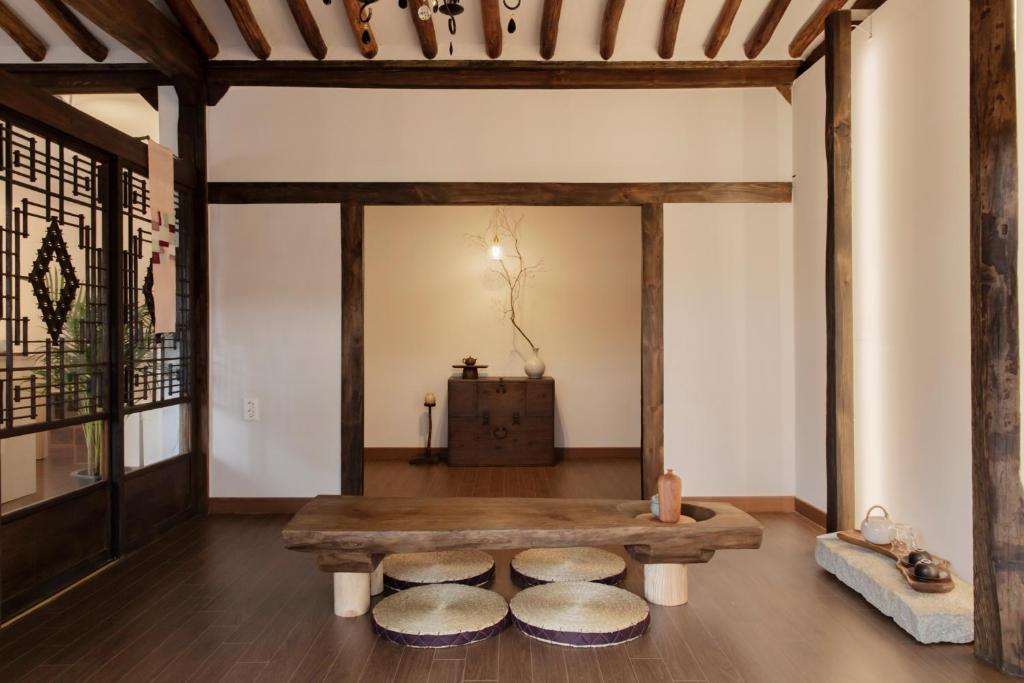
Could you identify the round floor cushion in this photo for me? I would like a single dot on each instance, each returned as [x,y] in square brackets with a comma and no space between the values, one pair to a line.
[442,615]
[550,565]
[580,614]
[468,567]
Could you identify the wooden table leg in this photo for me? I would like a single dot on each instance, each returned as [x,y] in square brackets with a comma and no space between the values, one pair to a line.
[351,594]
[377,580]
[666,584]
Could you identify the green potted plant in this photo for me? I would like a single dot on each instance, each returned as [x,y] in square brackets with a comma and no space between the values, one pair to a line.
[80,353]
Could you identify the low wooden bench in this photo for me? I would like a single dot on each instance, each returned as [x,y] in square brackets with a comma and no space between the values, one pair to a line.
[350,535]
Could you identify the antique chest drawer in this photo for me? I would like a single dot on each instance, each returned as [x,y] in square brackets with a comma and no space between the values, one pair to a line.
[501,421]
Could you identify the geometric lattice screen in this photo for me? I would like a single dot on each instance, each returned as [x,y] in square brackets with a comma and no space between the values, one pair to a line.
[53,277]
[157,366]
[52,282]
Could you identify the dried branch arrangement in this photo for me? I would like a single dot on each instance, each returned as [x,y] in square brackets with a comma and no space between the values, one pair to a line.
[511,266]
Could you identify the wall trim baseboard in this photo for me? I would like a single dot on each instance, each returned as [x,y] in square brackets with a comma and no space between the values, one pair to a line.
[815,515]
[406,453]
[753,504]
[750,503]
[256,506]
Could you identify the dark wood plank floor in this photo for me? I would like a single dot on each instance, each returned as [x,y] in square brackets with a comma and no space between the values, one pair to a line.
[218,599]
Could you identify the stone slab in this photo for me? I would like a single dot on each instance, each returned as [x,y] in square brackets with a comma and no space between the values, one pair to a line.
[928,617]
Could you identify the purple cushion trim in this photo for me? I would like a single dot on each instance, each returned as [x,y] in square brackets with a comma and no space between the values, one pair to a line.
[478,580]
[524,581]
[584,639]
[448,640]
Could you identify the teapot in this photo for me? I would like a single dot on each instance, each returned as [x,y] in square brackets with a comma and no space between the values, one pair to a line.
[877,530]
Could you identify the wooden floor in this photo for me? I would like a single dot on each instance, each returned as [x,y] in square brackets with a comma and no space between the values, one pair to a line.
[218,599]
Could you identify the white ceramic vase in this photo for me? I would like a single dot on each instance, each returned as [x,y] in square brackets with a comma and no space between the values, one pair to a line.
[534,365]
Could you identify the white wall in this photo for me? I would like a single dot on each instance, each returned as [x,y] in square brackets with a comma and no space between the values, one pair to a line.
[742,447]
[431,300]
[729,348]
[809,206]
[275,334]
[911,281]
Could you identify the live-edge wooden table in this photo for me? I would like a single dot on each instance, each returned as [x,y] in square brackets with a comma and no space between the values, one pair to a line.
[350,535]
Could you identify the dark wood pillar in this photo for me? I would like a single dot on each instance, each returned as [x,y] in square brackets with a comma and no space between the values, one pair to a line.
[839,275]
[995,360]
[192,149]
[352,349]
[652,344]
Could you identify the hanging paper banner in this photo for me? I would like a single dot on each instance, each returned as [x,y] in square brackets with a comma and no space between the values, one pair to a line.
[164,237]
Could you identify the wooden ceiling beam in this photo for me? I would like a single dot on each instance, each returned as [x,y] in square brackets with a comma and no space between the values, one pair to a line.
[492,27]
[249,28]
[424,30]
[187,15]
[610,26]
[813,27]
[670,27]
[73,28]
[88,78]
[308,27]
[720,29]
[363,33]
[765,28]
[549,27]
[30,43]
[144,30]
[479,74]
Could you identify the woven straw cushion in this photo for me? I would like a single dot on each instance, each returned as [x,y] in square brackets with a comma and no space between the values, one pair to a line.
[468,567]
[443,615]
[580,614]
[550,565]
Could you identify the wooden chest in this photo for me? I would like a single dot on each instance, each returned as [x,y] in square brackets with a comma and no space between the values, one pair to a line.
[501,421]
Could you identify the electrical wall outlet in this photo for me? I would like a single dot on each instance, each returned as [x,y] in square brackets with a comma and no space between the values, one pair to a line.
[251,410]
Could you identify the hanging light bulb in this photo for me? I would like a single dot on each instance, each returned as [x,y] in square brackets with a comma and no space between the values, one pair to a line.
[496,253]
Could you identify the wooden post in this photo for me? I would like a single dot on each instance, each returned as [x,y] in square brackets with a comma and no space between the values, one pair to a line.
[352,349]
[652,348]
[666,584]
[995,344]
[839,275]
[192,150]
[351,594]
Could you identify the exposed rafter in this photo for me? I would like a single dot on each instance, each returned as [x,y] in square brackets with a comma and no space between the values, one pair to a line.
[73,28]
[813,27]
[424,30]
[308,28]
[144,30]
[31,44]
[194,25]
[765,27]
[363,33]
[720,29]
[670,27]
[249,28]
[610,26]
[549,27]
[492,27]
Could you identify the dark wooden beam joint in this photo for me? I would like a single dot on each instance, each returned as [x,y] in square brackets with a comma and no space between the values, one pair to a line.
[995,340]
[839,447]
